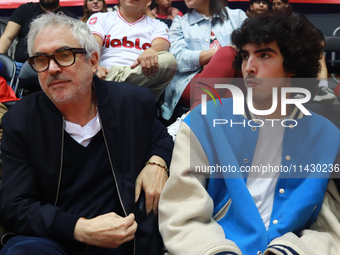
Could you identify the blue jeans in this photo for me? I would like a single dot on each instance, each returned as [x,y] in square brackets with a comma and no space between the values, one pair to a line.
[32,245]
[23,245]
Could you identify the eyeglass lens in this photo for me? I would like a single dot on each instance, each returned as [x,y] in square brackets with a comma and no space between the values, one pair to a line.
[63,58]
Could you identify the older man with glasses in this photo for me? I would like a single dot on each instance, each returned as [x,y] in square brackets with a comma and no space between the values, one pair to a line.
[77,155]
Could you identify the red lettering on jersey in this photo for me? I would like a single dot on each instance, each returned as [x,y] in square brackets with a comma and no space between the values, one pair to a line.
[116,43]
[126,43]
[137,45]
[146,46]
[107,38]
[93,21]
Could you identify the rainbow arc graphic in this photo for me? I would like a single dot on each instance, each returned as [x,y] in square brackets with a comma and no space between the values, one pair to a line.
[209,93]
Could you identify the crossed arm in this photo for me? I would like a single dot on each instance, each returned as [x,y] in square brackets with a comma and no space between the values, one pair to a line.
[148,59]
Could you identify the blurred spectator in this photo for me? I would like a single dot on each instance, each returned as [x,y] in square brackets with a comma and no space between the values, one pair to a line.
[195,38]
[93,6]
[6,94]
[257,7]
[324,93]
[282,6]
[147,12]
[134,47]
[18,26]
[164,10]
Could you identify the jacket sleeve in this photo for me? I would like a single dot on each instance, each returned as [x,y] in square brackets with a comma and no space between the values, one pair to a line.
[162,144]
[322,238]
[22,209]
[187,58]
[185,207]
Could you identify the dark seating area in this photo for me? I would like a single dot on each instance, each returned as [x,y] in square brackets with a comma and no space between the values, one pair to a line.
[8,69]
[331,112]
[27,81]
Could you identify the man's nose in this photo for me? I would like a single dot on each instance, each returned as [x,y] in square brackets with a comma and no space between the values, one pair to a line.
[251,66]
[53,67]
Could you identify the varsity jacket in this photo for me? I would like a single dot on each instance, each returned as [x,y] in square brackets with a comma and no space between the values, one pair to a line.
[212,213]
[32,151]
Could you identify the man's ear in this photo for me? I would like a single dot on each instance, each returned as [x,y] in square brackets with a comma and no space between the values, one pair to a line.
[94,60]
[251,7]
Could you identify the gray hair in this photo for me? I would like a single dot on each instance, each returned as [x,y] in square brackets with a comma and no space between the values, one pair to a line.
[79,29]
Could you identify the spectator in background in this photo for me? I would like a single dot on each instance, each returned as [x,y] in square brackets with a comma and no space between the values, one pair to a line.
[147,12]
[93,6]
[324,94]
[164,10]
[282,6]
[134,47]
[195,38]
[257,7]
[18,26]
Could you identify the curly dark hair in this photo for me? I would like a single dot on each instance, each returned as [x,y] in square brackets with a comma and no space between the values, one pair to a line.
[297,38]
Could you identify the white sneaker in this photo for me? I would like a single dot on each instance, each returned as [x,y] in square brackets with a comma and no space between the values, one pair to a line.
[324,95]
[299,96]
[173,128]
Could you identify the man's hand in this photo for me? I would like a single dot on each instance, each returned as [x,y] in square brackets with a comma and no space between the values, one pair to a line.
[102,72]
[149,62]
[109,230]
[152,179]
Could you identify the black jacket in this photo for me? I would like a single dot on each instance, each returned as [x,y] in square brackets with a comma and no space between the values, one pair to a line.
[32,146]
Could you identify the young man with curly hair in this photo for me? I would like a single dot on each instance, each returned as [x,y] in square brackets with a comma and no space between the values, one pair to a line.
[232,187]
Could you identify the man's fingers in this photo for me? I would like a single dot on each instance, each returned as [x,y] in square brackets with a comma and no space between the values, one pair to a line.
[155,205]
[131,232]
[138,189]
[130,219]
[136,63]
[131,226]
[149,201]
[152,69]
[155,60]
[144,66]
[102,72]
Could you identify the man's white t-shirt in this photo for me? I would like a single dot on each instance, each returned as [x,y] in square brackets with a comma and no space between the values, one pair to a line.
[268,152]
[123,41]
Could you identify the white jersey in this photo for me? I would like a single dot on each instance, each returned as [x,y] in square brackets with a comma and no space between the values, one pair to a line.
[123,41]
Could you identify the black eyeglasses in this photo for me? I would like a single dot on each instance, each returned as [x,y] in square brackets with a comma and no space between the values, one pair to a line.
[62,57]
